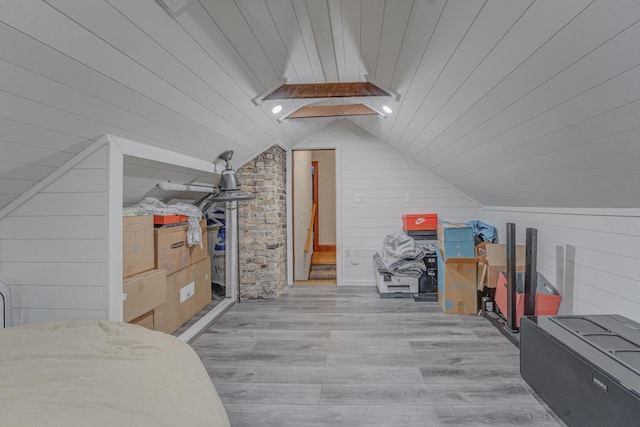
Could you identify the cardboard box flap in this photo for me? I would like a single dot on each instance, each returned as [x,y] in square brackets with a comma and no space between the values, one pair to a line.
[461,260]
[496,259]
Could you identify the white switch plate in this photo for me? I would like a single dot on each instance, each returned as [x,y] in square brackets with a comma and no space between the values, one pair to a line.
[358,197]
[187,292]
[355,258]
[407,197]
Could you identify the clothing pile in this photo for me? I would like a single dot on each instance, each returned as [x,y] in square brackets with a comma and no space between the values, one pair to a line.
[400,256]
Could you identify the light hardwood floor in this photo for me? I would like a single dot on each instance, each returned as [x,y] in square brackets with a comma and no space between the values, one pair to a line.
[336,356]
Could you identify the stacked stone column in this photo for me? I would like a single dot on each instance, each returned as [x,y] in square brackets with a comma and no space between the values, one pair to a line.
[263,226]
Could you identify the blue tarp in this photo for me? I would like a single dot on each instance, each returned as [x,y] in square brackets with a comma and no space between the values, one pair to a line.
[483,230]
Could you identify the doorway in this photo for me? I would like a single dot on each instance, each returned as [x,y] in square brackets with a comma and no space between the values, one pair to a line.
[314,216]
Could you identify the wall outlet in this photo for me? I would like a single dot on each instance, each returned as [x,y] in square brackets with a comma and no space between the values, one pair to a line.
[355,258]
[358,197]
[187,292]
[407,197]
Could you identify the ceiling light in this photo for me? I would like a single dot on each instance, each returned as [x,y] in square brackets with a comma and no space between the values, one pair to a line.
[387,109]
[228,189]
[276,109]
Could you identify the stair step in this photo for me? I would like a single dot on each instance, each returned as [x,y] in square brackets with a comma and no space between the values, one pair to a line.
[323,272]
[323,267]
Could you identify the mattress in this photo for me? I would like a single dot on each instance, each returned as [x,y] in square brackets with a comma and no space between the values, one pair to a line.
[98,373]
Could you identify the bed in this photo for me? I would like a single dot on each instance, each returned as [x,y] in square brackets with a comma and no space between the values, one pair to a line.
[98,373]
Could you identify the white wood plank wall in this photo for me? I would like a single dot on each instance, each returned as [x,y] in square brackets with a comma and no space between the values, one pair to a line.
[591,256]
[384,176]
[53,252]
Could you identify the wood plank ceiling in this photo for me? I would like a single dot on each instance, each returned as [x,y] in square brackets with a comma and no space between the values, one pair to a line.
[516,103]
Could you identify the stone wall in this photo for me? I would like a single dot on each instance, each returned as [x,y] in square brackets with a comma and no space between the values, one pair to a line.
[263,226]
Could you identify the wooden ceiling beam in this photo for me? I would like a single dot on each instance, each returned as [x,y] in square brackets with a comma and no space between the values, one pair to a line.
[311,111]
[326,90]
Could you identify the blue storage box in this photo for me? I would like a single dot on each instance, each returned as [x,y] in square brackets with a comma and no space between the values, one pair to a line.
[458,249]
[450,232]
[456,240]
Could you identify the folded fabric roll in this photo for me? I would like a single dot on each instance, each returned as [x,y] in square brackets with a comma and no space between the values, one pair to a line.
[400,256]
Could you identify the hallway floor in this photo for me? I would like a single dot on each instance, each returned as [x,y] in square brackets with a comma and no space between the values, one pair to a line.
[342,356]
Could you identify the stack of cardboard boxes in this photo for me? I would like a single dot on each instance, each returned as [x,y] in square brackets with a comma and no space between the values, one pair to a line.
[492,259]
[457,269]
[469,274]
[165,281]
[492,266]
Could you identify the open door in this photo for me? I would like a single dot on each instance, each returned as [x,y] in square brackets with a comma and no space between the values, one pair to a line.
[314,216]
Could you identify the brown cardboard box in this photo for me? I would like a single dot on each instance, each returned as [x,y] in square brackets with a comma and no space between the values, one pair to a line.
[188,291]
[146,320]
[457,285]
[196,253]
[171,251]
[160,319]
[142,293]
[137,244]
[496,260]
[483,270]
[483,267]
[481,252]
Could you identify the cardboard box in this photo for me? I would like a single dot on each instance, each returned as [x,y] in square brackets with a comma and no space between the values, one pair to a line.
[142,293]
[481,252]
[456,240]
[196,253]
[137,244]
[547,297]
[483,270]
[188,292]
[171,251]
[146,320]
[457,285]
[496,261]
[160,319]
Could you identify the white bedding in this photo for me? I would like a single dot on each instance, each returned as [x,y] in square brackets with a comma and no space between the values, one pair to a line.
[96,373]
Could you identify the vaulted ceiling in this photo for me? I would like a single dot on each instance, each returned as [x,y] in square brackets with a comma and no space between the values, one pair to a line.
[516,102]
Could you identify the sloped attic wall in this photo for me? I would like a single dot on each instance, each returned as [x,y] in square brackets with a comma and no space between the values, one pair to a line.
[61,241]
[384,176]
[54,247]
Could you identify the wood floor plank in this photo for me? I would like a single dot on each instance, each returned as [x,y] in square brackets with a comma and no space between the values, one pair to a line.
[225,334]
[260,393]
[327,355]
[327,375]
[469,416]
[466,375]
[251,358]
[331,415]
[436,394]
